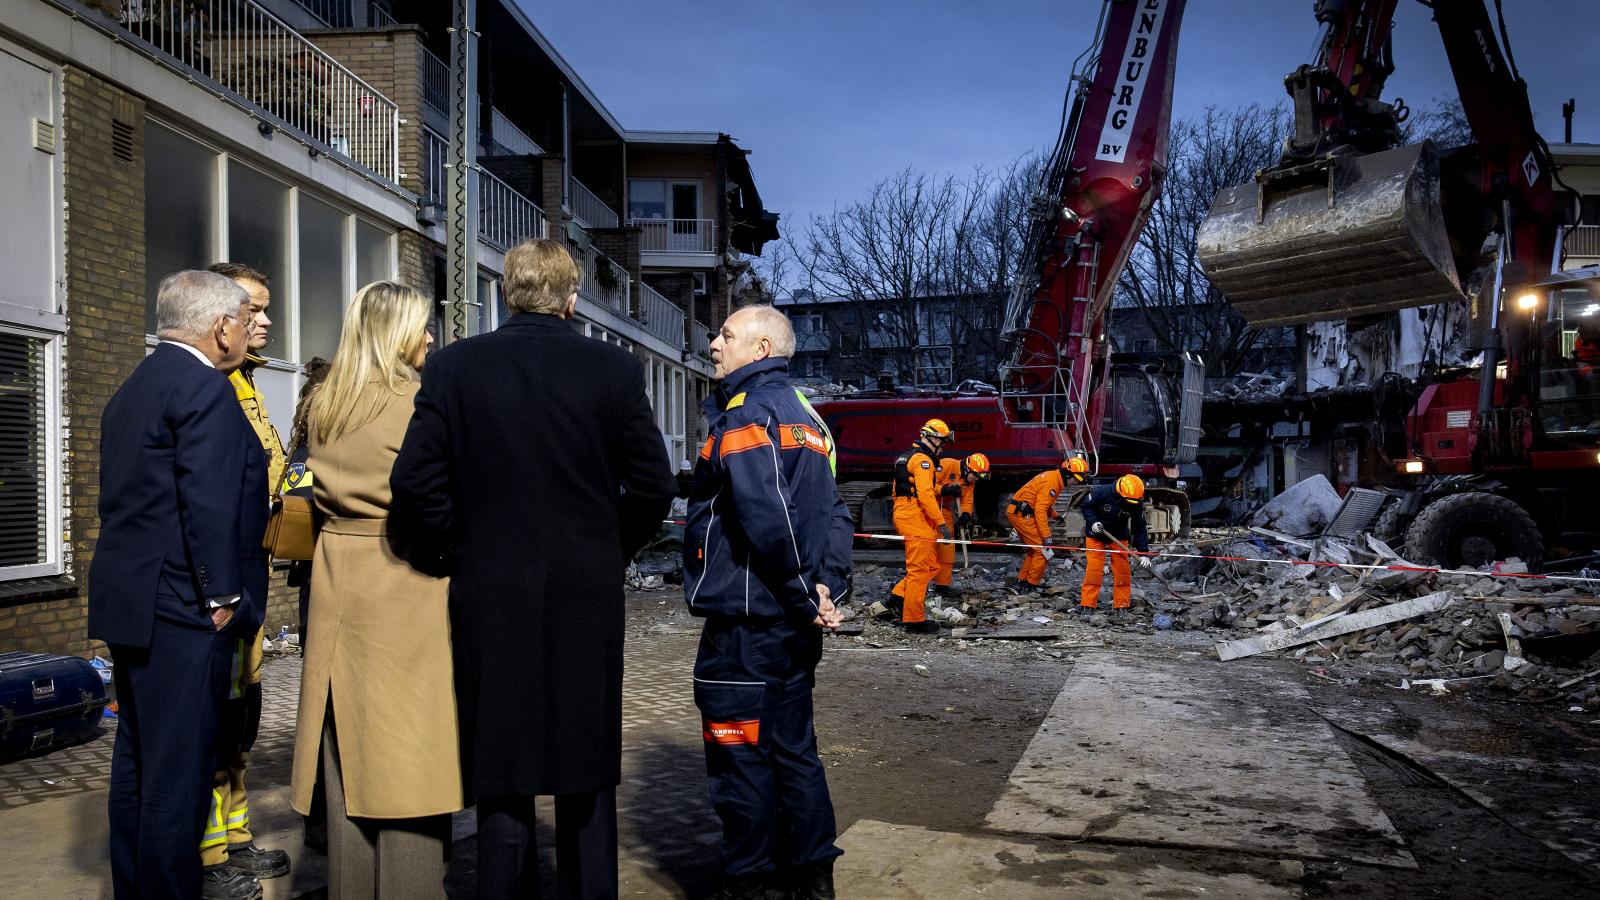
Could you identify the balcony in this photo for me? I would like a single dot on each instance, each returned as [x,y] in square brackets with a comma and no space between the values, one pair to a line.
[274,72]
[589,210]
[660,316]
[677,236]
[507,139]
[505,217]
[604,282]
[700,340]
[436,83]
[1582,241]
[435,166]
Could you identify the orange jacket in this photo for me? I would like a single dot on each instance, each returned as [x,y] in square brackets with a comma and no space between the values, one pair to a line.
[924,492]
[1040,492]
[950,476]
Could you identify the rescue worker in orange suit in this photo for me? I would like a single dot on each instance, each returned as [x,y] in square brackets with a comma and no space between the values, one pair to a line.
[918,519]
[1586,346]
[956,479]
[1113,511]
[1030,512]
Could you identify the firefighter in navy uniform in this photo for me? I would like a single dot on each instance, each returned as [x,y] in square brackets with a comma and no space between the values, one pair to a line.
[766,552]
[1113,511]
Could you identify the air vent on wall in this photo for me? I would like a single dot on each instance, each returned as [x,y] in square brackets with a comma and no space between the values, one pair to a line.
[44,136]
[122,140]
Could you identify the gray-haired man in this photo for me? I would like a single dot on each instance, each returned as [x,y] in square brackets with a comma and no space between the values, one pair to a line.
[178,576]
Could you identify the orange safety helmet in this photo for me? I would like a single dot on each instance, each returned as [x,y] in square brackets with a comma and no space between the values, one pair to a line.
[1130,488]
[1077,467]
[936,428]
[976,464]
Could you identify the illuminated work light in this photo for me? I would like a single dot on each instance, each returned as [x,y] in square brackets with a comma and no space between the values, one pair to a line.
[1528,301]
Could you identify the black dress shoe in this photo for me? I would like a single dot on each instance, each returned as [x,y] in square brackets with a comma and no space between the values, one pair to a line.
[247,857]
[812,881]
[223,882]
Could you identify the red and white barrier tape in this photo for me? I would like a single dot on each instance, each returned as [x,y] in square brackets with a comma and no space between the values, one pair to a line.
[1166,554]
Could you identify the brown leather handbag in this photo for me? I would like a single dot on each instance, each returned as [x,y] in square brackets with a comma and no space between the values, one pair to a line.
[291,531]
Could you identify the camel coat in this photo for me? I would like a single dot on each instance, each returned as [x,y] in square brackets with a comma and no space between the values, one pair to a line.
[379,637]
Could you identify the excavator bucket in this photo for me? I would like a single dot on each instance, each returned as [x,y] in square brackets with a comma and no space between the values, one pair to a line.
[1334,238]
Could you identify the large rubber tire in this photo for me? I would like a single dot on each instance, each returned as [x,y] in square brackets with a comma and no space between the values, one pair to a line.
[1391,526]
[1474,529]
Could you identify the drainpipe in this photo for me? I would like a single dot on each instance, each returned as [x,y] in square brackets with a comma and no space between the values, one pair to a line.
[566,150]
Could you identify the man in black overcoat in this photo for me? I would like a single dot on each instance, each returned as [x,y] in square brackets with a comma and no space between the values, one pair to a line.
[178,579]
[531,473]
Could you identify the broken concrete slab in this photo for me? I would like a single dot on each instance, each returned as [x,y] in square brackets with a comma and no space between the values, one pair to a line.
[1146,749]
[1334,625]
[908,861]
[1306,508]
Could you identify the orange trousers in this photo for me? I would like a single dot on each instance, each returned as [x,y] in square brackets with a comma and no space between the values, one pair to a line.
[1094,558]
[1034,564]
[922,562]
[946,555]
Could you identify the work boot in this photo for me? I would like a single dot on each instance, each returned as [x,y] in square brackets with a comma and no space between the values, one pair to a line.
[749,887]
[1086,612]
[896,604]
[812,881]
[1018,586]
[247,857]
[926,626]
[223,882]
[942,590]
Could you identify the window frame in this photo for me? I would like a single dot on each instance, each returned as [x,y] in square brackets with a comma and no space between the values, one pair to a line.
[55,513]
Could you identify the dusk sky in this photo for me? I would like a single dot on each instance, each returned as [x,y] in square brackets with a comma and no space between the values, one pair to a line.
[833,96]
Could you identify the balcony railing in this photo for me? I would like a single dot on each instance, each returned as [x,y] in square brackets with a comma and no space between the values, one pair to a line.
[435,82]
[508,138]
[333,13]
[505,217]
[1583,240]
[589,210]
[660,316]
[435,156]
[677,235]
[700,340]
[610,290]
[248,51]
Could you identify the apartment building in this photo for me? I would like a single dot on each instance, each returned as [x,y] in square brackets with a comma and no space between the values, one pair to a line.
[306,138]
[937,341]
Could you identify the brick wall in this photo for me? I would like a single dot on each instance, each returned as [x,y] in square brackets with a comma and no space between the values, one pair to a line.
[622,246]
[391,60]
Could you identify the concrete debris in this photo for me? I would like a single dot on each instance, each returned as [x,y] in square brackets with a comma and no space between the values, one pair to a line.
[1304,509]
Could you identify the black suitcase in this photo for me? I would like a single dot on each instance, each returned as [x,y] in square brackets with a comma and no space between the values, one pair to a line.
[47,702]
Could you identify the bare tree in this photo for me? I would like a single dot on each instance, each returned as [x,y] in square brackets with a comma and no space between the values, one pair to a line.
[920,267]
[1163,281]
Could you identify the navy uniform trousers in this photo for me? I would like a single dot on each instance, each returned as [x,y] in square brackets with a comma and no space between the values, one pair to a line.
[752,683]
[169,697]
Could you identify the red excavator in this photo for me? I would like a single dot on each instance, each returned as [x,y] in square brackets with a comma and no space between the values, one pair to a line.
[1063,391]
[1501,461]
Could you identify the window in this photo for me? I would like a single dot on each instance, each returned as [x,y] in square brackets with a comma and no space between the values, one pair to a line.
[29,456]
[258,236]
[486,303]
[374,253]
[322,281]
[1144,345]
[655,198]
[1590,210]
[177,224]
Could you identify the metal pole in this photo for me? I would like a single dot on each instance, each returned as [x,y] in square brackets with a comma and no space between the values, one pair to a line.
[461,197]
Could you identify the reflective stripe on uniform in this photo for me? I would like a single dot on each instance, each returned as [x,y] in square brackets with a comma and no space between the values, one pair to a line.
[216,832]
[239,819]
[750,437]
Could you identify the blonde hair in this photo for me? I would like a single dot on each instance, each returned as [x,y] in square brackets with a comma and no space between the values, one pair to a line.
[540,277]
[384,328]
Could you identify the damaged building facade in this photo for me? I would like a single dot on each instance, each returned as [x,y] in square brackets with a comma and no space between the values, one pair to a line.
[308,140]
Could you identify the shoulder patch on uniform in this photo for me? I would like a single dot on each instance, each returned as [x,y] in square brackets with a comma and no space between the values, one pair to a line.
[1053,493]
[736,402]
[926,464]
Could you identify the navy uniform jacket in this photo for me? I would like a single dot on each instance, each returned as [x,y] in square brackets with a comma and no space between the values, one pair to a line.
[1122,520]
[181,511]
[765,519]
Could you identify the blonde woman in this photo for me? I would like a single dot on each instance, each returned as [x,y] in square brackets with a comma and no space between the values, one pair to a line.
[377,701]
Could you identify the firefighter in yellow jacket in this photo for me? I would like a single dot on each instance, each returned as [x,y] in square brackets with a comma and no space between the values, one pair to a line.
[231,861]
[956,480]
[918,519]
[1030,512]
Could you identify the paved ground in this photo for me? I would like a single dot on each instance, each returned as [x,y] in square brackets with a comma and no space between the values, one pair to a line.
[929,744]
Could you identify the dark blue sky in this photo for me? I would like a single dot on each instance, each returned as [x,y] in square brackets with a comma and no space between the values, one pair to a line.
[833,95]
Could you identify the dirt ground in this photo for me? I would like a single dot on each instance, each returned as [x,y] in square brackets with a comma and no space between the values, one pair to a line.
[926,732]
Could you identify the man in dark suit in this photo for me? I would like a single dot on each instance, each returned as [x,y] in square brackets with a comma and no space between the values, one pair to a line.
[178,577]
[531,472]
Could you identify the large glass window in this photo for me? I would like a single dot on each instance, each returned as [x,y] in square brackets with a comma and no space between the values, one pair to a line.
[486,294]
[374,253]
[647,199]
[26,476]
[258,236]
[180,179]
[322,277]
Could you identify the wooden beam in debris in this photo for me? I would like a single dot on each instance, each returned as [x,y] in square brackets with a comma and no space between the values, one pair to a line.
[1333,626]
